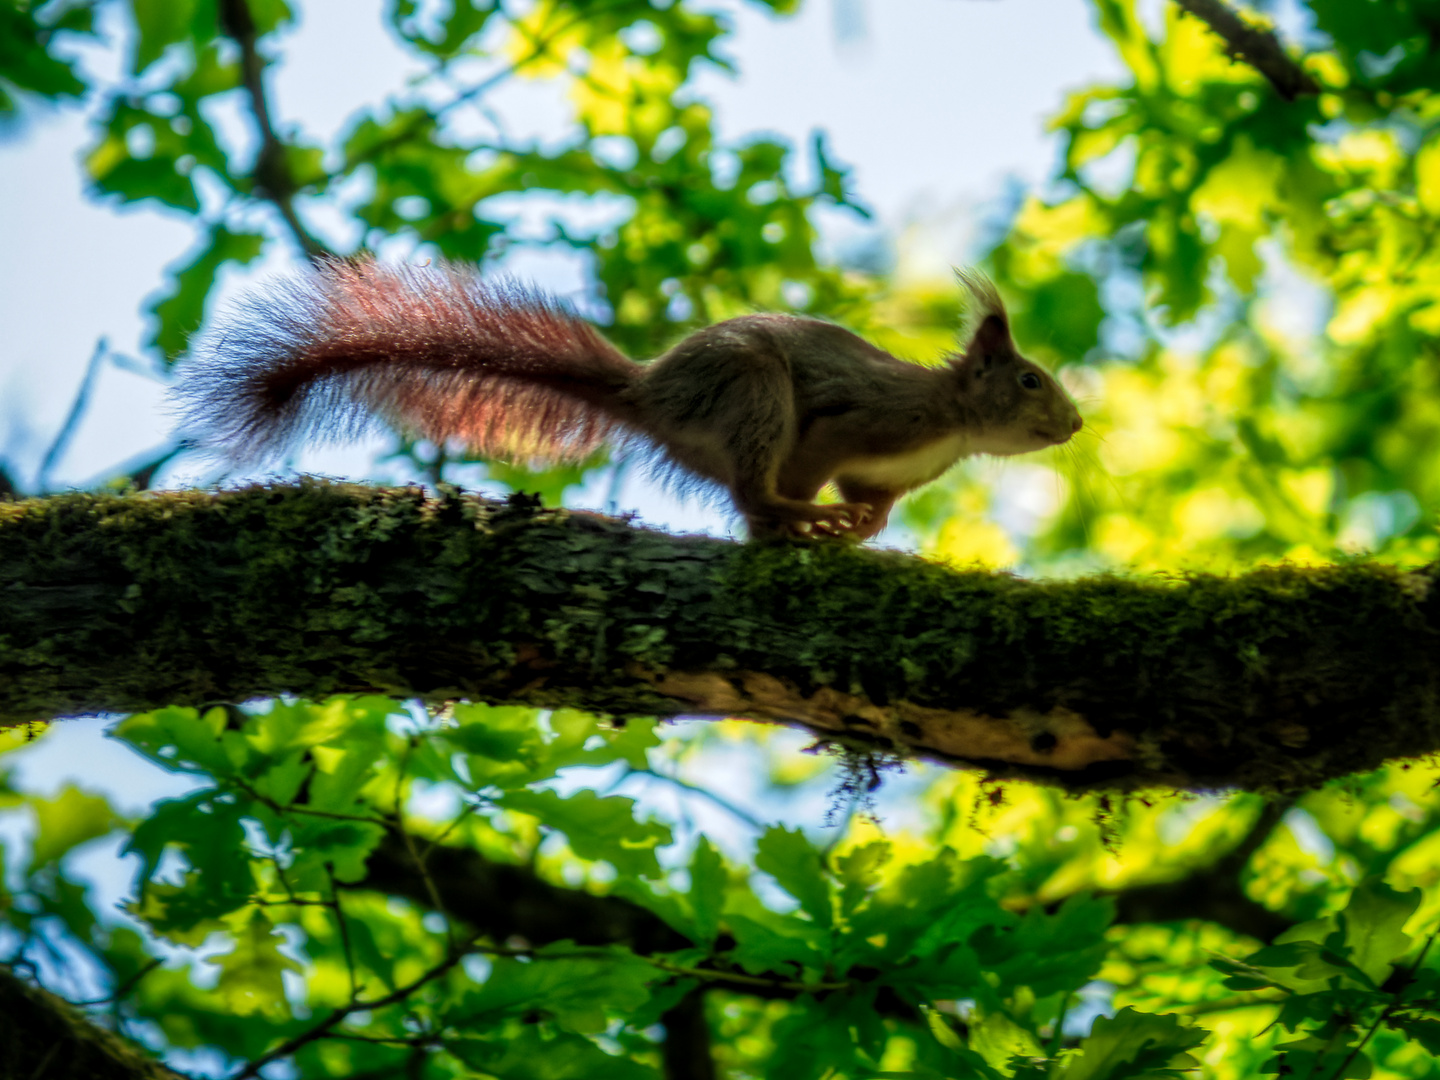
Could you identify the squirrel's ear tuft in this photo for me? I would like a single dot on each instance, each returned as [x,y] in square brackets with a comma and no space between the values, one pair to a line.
[987,326]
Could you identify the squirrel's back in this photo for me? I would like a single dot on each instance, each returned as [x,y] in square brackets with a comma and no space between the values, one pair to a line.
[434,350]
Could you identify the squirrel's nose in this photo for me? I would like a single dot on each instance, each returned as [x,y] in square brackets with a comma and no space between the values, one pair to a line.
[1079,423]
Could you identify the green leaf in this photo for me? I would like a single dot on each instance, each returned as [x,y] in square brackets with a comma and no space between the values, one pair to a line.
[1374,922]
[767,944]
[158,25]
[65,822]
[338,846]
[1240,976]
[997,1038]
[70,902]
[532,1054]
[792,860]
[930,906]
[1424,1030]
[580,992]
[26,62]
[859,873]
[1050,952]
[1320,1011]
[825,1038]
[205,828]
[550,483]
[134,179]
[180,308]
[1314,1058]
[251,973]
[179,739]
[1063,315]
[1133,1045]
[269,15]
[466,19]
[505,745]
[834,179]
[596,827]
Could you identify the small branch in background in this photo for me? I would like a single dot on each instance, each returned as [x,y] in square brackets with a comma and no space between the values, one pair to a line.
[339,1015]
[142,477]
[8,490]
[273,181]
[1215,893]
[73,417]
[695,789]
[1258,47]
[137,472]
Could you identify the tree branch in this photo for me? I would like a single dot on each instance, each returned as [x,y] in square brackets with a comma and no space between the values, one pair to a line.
[1256,46]
[1278,679]
[273,180]
[42,1035]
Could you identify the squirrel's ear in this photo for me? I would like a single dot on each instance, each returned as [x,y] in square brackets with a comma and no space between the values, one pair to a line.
[991,336]
[987,326]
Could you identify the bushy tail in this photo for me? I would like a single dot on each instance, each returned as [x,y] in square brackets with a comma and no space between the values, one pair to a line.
[433,350]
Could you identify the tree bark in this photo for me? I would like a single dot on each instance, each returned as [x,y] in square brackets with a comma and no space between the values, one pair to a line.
[1278,679]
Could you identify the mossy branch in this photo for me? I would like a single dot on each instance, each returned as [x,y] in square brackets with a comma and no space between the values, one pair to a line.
[1278,679]
[42,1035]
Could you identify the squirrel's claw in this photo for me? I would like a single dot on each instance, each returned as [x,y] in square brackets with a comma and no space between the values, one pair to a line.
[837,519]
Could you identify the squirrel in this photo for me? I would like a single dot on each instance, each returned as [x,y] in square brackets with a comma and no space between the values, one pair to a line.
[771,407]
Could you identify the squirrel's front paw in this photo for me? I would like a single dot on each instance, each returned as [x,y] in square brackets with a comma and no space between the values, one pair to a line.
[839,518]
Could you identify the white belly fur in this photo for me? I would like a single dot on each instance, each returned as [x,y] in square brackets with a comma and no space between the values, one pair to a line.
[901,472]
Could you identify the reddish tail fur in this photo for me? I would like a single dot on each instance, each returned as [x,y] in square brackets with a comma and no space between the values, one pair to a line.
[434,350]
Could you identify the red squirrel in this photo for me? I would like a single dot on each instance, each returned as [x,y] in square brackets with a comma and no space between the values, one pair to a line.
[772,407]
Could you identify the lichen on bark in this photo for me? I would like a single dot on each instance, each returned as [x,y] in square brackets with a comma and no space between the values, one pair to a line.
[1280,678]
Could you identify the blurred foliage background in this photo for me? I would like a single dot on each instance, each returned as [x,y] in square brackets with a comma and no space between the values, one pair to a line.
[1241,290]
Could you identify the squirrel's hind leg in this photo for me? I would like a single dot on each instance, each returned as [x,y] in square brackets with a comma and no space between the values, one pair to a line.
[759,441]
[722,404]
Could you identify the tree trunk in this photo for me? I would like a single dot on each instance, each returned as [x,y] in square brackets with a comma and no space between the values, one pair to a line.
[1278,679]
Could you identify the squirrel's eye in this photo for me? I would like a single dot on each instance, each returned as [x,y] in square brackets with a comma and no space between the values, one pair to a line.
[1029,380]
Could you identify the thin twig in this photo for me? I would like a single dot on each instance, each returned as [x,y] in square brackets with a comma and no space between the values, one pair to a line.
[72,418]
[294,808]
[714,975]
[344,930]
[695,789]
[432,842]
[390,1040]
[540,43]
[452,957]
[431,889]
[123,989]
[1243,1001]
[1258,47]
[539,47]
[710,974]
[45,1062]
